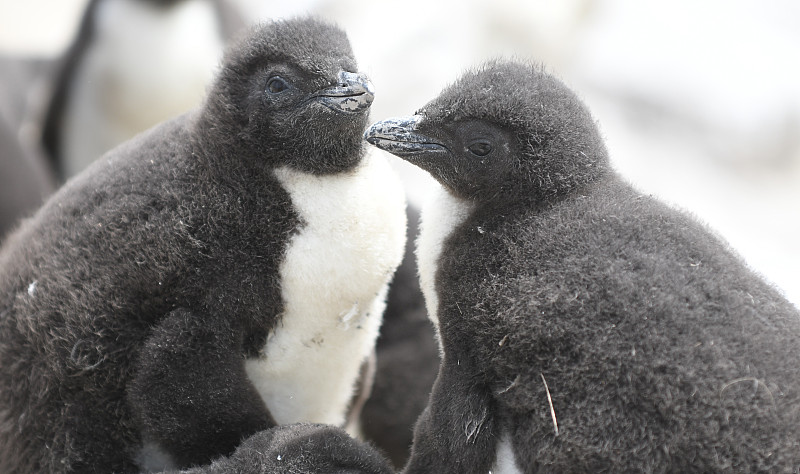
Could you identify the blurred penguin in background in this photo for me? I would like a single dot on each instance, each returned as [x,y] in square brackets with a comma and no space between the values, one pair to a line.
[25,177]
[133,63]
[24,181]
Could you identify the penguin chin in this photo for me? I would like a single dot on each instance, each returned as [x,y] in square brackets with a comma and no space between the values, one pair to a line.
[342,156]
[334,147]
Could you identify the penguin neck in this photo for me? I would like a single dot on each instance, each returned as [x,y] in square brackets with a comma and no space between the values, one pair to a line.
[560,174]
[535,198]
[218,133]
[221,147]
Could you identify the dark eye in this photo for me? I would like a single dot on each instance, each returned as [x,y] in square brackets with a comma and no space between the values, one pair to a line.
[276,85]
[480,147]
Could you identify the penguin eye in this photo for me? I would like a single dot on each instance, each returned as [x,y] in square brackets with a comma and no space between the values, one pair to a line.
[480,147]
[276,85]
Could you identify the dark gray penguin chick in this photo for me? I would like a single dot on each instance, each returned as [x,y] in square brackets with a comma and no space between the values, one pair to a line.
[299,448]
[219,274]
[584,326]
[132,64]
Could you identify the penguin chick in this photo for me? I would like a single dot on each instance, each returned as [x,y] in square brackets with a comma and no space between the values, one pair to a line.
[302,447]
[584,326]
[221,273]
[133,64]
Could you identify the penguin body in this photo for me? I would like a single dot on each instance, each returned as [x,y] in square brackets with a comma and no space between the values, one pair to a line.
[134,63]
[584,326]
[139,305]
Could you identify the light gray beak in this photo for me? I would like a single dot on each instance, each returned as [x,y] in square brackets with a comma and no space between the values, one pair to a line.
[399,136]
[353,93]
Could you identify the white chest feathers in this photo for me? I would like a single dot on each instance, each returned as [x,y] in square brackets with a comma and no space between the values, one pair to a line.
[441,214]
[334,279]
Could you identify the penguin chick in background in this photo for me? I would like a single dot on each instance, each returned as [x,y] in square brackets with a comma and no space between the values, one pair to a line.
[217,275]
[132,64]
[24,181]
[299,448]
[26,178]
[584,326]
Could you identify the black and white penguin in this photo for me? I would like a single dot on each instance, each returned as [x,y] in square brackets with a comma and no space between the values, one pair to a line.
[585,327]
[132,64]
[299,448]
[217,275]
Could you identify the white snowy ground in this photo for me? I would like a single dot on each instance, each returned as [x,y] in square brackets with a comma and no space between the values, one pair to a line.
[699,101]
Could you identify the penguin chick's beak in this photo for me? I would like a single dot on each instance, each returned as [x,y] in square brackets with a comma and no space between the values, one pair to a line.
[399,136]
[353,93]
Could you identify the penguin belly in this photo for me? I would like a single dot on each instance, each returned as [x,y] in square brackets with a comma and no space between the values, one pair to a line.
[441,214]
[334,280]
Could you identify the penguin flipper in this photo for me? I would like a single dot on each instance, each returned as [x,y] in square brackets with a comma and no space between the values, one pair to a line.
[456,430]
[190,391]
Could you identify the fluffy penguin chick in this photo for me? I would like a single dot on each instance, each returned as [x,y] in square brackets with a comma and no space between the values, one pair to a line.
[220,273]
[584,327]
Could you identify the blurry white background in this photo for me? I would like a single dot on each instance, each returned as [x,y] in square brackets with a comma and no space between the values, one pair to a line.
[699,101]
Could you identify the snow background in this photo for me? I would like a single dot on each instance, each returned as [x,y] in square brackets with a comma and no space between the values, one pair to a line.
[699,101]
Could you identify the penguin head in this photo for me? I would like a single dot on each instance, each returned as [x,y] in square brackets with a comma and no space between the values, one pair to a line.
[506,131]
[163,3]
[289,93]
